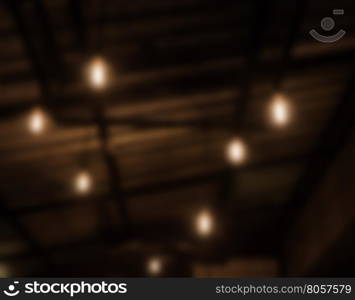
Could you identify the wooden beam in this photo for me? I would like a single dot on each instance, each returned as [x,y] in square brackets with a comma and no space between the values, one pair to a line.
[113,170]
[253,49]
[263,72]
[299,8]
[35,60]
[34,247]
[99,118]
[161,187]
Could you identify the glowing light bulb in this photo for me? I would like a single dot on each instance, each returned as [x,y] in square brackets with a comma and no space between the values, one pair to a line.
[204,223]
[236,151]
[37,121]
[154,266]
[280,112]
[83,182]
[98,73]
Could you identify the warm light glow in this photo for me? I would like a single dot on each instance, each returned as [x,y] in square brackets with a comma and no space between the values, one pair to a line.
[236,151]
[204,223]
[98,73]
[37,121]
[154,266]
[83,182]
[280,112]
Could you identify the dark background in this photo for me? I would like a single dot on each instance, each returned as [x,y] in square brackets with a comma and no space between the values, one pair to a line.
[186,76]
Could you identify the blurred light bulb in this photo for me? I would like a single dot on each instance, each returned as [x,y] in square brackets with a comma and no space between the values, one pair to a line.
[154,266]
[280,112]
[236,151]
[98,73]
[83,182]
[37,121]
[204,223]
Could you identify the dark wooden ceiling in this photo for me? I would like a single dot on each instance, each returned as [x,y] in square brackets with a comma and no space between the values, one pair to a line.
[187,76]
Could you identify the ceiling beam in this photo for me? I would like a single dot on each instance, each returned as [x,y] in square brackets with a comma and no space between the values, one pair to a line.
[252,53]
[299,8]
[296,21]
[75,11]
[263,72]
[39,70]
[56,68]
[253,48]
[99,118]
[331,141]
[34,248]
[162,187]
[172,232]
[112,168]
[33,57]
